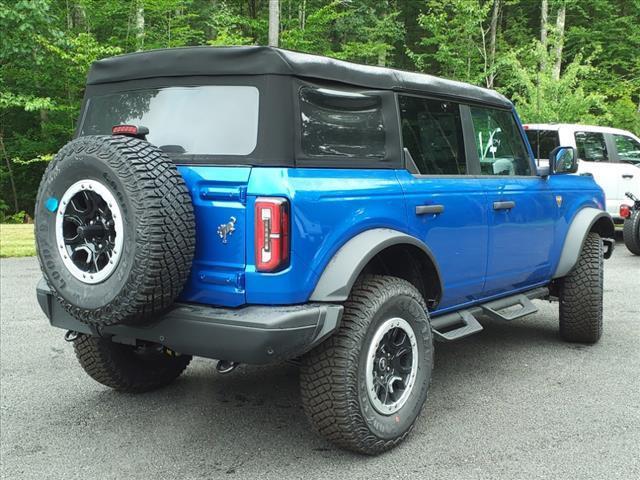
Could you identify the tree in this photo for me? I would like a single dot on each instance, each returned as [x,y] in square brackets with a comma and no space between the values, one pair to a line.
[559,40]
[543,98]
[559,60]
[274,22]
[139,25]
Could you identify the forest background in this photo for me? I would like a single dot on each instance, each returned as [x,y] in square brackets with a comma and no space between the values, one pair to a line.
[574,61]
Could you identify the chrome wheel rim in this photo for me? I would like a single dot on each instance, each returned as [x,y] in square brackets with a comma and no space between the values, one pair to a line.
[392,363]
[89,231]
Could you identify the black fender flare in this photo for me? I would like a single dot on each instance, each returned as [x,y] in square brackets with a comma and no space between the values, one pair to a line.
[586,220]
[348,262]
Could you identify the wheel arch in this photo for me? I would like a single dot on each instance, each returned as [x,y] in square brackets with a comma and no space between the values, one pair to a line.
[381,251]
[587,220]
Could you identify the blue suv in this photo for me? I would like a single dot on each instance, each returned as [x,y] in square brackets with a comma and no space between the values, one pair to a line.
[254,205]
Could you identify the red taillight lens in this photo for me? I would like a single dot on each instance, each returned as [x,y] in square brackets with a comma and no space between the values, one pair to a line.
[124,130]
[272,234]
[137,131]
[625,211]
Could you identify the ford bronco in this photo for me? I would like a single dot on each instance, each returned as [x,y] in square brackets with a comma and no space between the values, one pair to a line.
[251,204]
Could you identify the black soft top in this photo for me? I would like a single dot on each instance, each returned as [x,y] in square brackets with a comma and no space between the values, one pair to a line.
[196,61]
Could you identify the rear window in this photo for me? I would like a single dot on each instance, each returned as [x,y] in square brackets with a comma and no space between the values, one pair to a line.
[341,124]
[543,142]
[204,120]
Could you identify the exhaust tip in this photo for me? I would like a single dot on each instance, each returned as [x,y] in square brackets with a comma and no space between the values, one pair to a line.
[226,366]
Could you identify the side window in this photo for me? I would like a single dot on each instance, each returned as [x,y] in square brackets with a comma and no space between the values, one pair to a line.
[628,148]
[341,124]
[501,148]
[543,142]
[432,132]
[591,146]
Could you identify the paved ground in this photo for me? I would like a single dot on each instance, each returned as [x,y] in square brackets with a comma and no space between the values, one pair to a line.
[512,402]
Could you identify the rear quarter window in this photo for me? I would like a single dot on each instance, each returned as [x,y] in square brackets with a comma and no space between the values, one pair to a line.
[340,124]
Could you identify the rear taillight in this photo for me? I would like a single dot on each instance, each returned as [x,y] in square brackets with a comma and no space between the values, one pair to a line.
[625,211]
[272,234]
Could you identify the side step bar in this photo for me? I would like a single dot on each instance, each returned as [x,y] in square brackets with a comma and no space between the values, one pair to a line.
[461,324]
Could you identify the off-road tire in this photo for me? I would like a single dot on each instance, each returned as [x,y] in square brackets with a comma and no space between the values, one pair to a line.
[332,376]
[581,295]
[119,367]
[631,233]
[158,221]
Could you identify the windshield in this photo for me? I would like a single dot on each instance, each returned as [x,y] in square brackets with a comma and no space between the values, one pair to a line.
[204,120]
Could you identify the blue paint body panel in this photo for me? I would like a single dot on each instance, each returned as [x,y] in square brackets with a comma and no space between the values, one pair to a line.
[482,253]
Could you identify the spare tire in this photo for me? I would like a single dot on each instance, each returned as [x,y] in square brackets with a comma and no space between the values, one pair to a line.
[115,230]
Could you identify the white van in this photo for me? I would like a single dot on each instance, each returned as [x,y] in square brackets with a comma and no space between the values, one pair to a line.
[611,155]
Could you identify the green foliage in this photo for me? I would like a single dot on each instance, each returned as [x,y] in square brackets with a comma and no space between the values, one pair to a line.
[48,45]
[455,43]
[19,217]
[543,99]
[227,28]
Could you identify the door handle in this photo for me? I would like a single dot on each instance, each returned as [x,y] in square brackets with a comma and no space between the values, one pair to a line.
[508,205]
[432,209]
[627,175]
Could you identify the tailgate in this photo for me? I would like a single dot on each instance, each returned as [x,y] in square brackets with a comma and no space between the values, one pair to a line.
[219,196]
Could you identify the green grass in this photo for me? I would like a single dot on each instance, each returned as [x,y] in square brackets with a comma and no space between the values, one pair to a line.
[16,240]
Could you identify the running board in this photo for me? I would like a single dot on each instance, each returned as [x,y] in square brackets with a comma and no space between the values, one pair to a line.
[461,324]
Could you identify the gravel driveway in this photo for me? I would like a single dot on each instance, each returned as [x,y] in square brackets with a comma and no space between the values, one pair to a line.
[512,402]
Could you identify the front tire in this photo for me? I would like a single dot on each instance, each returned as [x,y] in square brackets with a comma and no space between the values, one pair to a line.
[364,387]
[631,233]
[581,295]
[127,368]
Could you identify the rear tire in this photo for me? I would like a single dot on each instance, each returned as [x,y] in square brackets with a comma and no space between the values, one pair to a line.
[385,317]
[631,233]
[581,295]
[127,368]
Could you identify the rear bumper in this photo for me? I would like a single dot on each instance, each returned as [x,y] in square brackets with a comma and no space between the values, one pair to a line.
[254,334]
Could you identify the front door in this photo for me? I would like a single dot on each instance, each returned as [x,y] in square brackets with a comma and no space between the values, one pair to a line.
[522,208]
[445,206]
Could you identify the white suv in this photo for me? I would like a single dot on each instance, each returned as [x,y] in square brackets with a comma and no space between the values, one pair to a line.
[611,155]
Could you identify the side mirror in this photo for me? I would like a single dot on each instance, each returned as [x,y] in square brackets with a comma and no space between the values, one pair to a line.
[563,160]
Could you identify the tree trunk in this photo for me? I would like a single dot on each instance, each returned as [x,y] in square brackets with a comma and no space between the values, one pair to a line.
[274,22]
[382,58]
[302,13]
[560,22]
[10,172]
[544,14]
[140,26]
[493,33]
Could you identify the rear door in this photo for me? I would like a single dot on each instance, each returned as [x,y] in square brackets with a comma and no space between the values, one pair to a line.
[521,207]
[445,203]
